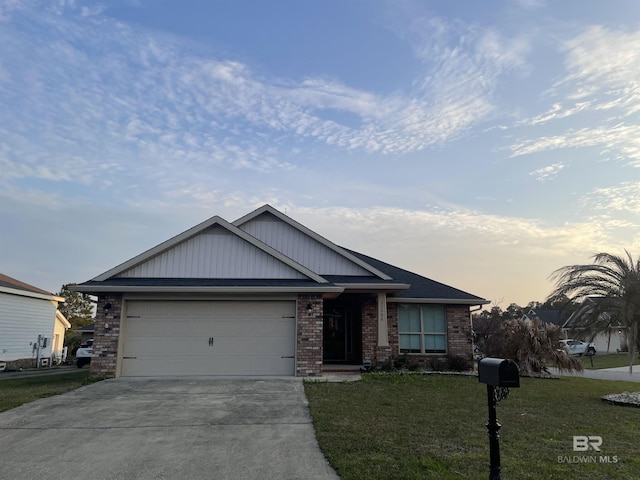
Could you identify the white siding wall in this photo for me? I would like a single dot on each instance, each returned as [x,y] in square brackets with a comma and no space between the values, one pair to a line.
[602,341]
[214,253]
[22,319]
[300,247]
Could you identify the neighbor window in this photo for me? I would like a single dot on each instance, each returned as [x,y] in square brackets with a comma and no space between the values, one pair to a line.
[422,328]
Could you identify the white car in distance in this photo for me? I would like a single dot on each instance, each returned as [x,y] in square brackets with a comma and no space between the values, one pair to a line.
[578,347]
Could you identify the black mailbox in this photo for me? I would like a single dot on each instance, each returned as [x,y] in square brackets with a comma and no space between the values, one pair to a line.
[499,372]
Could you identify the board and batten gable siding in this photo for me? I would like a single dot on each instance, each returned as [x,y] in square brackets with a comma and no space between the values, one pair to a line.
[22,319]
[213,253]
[300,247]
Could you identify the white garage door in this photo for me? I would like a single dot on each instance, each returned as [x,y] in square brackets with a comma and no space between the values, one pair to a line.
[164,338]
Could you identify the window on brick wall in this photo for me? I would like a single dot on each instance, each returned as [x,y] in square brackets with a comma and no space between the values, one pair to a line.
[422,328]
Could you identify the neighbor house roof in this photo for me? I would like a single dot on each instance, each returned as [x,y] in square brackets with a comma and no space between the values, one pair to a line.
[549,316]
[13,286]
[86,328]
[587,306]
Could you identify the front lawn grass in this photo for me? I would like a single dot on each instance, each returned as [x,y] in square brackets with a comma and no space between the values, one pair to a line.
[18,391]
[405,427]
[609,360]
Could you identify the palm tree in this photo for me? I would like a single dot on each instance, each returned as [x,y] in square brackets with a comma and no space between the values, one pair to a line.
[613,282]
[531,345]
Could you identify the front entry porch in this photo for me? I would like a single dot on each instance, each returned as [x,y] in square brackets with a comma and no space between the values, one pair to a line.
[342,331]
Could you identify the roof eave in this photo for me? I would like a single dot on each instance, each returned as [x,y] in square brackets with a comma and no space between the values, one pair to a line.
[448,301]
[27,293]
[388,287]
[205,289]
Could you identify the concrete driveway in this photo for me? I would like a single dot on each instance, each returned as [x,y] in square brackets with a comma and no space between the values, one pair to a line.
[198,428]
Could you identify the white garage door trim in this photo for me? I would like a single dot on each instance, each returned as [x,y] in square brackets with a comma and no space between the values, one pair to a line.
[222,337]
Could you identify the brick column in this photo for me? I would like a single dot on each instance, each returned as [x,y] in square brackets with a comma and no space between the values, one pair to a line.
[459,338]
[106,336]
[309,335]
[370,349]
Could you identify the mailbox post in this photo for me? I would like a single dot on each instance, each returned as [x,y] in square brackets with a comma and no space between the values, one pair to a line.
[499,375]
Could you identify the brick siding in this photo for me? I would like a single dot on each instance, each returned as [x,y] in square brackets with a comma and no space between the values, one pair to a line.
[309,335]
[459,339]
[370,349]
[105,340]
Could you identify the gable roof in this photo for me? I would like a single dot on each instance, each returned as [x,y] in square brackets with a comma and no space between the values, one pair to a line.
[344,253]
[273,239]
[193,232]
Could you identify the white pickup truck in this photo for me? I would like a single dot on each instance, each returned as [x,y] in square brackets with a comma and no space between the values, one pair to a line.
[84,353]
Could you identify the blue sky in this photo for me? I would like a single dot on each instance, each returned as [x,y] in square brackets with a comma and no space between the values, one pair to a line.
[481,145]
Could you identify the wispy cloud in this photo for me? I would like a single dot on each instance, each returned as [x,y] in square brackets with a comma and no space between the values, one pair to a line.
[97,91]
[547,173]
[600,86]
[621,198]
[622,139]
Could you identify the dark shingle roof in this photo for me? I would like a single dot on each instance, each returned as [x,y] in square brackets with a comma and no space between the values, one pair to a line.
[554,317]
[421,287]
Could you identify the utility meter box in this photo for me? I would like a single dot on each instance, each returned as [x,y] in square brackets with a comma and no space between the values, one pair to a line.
[499,372]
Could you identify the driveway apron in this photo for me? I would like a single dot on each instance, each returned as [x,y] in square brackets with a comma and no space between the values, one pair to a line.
[197,428]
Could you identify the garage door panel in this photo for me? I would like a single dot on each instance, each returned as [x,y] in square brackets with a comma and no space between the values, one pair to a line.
[172,338]
[204,366]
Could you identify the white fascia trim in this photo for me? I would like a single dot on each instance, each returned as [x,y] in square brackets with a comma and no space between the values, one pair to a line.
[319,238]
[449,301]
[170,289]
[26,293]
[158,249]
[374,286]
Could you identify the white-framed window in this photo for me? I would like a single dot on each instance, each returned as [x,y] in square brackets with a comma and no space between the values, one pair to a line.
[422,328]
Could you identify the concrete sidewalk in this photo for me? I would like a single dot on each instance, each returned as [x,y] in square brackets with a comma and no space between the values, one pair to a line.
[618,373]
[151,428]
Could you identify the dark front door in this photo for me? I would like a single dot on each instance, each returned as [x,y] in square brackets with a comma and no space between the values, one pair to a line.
[334,336]
[342,338]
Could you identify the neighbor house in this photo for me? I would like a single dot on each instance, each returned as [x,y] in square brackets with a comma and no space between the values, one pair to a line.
[265,295]
[555,317]
[86,333]
[612,339]
[31,327]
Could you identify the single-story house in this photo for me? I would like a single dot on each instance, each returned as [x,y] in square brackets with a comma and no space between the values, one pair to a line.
[265,295]
[31,326]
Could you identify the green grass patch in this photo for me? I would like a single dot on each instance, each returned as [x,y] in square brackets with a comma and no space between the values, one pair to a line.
[392,427]
[610,360]
[18,391]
